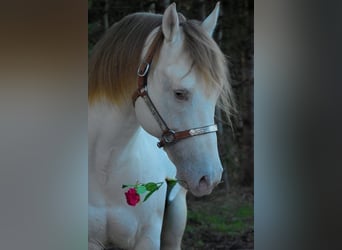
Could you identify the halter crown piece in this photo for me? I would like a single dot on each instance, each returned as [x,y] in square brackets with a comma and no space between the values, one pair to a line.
[168,136]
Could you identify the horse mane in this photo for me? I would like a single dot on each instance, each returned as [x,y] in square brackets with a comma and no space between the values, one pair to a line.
[115,59]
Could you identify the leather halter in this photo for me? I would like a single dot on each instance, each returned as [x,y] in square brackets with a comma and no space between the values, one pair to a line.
[168,136]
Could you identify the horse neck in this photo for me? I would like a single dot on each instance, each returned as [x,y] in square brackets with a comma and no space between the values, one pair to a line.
[111,128]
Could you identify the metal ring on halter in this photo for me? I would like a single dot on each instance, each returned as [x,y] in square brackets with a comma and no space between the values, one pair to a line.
[144,72]
[169,136]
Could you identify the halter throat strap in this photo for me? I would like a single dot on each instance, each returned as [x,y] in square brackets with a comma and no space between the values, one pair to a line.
[169,136]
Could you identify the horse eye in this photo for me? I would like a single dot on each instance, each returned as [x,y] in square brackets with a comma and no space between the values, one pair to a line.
[181,94]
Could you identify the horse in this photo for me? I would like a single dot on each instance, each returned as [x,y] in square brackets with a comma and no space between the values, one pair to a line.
[154,83]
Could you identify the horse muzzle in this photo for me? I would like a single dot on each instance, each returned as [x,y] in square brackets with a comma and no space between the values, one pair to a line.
[202,185]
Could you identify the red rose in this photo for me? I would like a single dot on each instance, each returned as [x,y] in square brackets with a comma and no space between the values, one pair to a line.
[132,197]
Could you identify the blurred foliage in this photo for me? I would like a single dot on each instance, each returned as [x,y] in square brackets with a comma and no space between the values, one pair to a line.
[234,34]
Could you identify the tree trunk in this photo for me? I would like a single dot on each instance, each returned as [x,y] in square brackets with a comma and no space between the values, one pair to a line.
[105,16]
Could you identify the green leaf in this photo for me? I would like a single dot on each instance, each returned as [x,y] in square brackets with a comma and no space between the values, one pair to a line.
[140,189]
[148,195]
[155,187]
[171,183]
[151,186]
[159,185]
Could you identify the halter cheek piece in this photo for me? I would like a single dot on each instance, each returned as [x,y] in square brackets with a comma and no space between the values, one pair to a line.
[169,136]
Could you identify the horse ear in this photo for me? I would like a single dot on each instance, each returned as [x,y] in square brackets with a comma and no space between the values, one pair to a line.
[170,23]
[181,17]
[209,23]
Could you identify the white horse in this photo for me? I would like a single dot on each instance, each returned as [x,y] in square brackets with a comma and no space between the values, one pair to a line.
[181,77]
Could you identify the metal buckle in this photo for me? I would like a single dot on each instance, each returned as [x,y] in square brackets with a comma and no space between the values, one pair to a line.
[169,136]
[143,64]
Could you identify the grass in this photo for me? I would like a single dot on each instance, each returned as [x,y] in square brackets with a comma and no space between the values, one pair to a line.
[230,220]
[218,217]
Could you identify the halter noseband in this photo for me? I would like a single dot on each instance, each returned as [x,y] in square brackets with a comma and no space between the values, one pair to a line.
[169,136]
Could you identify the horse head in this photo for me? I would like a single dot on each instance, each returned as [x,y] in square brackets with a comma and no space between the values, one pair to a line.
[185,81]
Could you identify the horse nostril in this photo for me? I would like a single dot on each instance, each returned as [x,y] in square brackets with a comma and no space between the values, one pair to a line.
[204,183]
